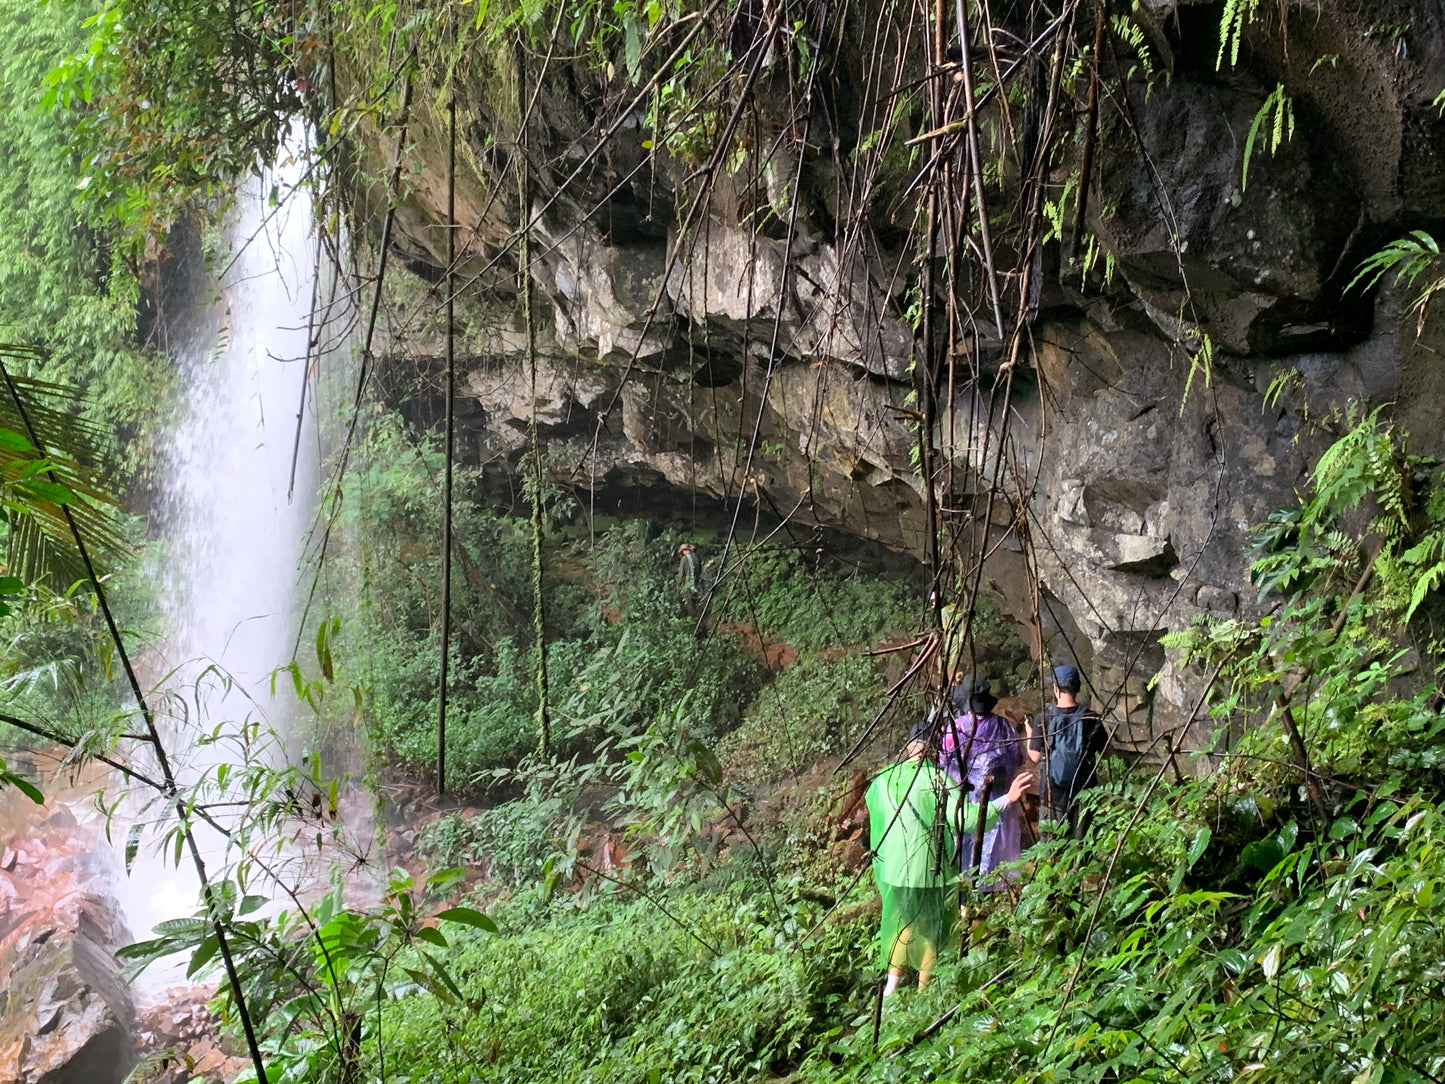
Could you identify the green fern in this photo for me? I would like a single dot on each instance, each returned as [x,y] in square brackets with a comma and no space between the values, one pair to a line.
[1420,570]
[1425,562]
[1409,257]
[1285,378]
[1131,37]
[1281,105]
[37,490]
[1368,465]
[1299,545]
[1363,463]
[1238,14]
[1201,362]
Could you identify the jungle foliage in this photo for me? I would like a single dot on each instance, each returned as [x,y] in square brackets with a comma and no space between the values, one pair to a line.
[69,285]
[622,653]
[55,658]
[1269,920]
[1277,919]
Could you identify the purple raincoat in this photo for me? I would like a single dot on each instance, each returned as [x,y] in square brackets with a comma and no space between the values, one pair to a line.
[972,747]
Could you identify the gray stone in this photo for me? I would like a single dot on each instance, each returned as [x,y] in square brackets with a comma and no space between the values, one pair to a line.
[1218,600]
[68,1017]
[1245,264]
[1135,493]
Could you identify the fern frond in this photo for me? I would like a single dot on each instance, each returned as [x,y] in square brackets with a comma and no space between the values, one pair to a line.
[1428,581]
[1285,378]
[1238,14]
[1409,257]
[1282,106]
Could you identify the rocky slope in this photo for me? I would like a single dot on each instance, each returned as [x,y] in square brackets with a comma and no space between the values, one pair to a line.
[66,1014]
[773,366]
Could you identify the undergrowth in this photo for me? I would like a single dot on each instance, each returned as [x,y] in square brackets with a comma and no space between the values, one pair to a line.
[621,650]
[1254,922]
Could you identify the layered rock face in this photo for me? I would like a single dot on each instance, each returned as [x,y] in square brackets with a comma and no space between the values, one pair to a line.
[775,368]
[66,1015]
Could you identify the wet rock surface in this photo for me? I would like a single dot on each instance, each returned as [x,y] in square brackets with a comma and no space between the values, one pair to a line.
[180,1040]
[772,369]
[66,1012]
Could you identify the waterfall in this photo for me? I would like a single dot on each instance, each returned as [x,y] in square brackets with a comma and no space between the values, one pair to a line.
[235,520]
[239,496]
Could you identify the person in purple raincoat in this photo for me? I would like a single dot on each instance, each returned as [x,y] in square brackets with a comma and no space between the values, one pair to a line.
[974,744]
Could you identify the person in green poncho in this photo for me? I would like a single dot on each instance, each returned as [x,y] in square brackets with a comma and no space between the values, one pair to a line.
[911,808]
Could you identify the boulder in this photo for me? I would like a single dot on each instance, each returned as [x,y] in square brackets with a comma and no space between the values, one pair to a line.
[68,1016]
[1247,264]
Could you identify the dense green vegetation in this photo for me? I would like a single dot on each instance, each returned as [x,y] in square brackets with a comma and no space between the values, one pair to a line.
[69,283]
[1203,931]
[1264,920]
[675,890]
[622,654]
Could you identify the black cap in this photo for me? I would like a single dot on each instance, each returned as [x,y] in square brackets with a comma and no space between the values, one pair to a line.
[922,730]
[973,694]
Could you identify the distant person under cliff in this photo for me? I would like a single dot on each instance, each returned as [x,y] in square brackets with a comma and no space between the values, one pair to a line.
[1075,738]
[687,579]
[912,806]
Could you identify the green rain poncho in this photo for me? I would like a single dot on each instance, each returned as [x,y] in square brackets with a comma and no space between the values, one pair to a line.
[912,807]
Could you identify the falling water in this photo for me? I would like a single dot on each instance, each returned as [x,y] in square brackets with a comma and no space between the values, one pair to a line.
[241,479]
[241,474]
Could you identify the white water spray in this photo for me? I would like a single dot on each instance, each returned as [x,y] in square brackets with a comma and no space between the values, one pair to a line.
[236,520]
[241,484]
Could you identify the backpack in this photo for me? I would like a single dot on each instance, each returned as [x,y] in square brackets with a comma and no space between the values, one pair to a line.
[1071,762]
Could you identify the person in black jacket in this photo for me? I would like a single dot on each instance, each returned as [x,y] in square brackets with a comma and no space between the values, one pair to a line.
[1072,735]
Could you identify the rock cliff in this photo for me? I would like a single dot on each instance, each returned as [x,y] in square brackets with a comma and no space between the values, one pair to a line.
[708,355]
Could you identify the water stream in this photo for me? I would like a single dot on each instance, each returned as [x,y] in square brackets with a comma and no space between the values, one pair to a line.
[240,484]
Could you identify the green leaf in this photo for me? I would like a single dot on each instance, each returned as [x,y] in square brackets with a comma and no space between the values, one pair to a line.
[443,975]
[24,786]
[707,762]
[1270,961]
[182,927]
[12,441]
[426,981]
[444,879]
[468,917]
[432,936]
[1262,854]
[40,489]
[147,950]
[324,631]
[1198,846]
[203,954]
[132,845]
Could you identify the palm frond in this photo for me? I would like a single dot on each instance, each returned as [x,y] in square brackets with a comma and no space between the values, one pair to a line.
[48,466]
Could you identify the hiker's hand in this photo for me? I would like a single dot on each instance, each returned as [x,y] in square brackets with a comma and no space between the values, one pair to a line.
[1022,784]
